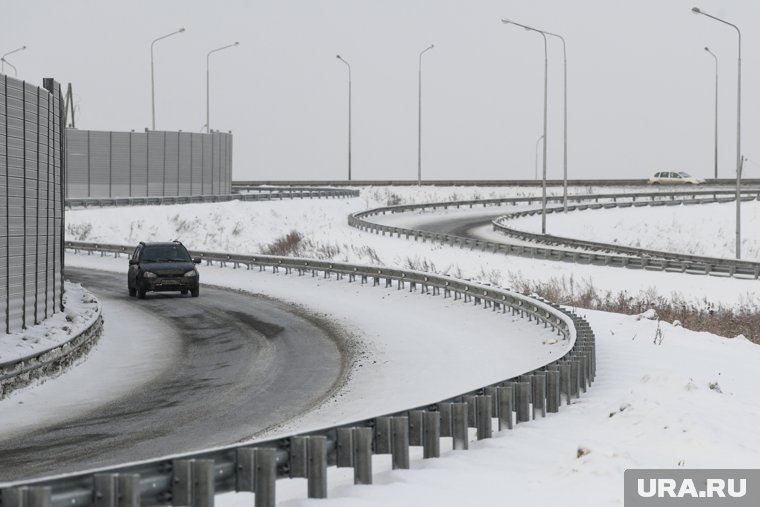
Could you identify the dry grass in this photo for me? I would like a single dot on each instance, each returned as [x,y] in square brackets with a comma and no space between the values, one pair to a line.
[702,316]
[288,245]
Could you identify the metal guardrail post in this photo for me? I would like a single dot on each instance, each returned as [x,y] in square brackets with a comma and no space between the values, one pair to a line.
[445,411]
[431,435]
[345,448]
[505,399]
[382,435]
[522,401]
[538,394]
[415,427]
[472,413]
[362,441]
[265,477]
[565,381]
[193,483]
[34,496]
[552,391]
[484,423]
[459,426]
[297,457]
[317,473]
[116,490]
[400,442]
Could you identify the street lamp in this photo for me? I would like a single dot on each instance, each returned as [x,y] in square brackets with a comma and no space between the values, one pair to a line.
[716,110]
[349,113]
[152,85]
[546,88]
[3,61]
[696,10]
[208,123]
[419,118]
[535,171]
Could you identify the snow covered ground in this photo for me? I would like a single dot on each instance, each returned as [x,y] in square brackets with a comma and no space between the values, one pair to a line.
[685,399]
[708,229]
[80,311]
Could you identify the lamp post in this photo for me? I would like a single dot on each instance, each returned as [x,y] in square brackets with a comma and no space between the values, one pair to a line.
[349,113]
[716,110]
[546,88]
[696,10]
[208,122]
[535,170]
[419,118]
[152,81]
[3,61]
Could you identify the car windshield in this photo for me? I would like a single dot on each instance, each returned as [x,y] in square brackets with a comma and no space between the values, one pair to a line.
[684,175]
[165,253]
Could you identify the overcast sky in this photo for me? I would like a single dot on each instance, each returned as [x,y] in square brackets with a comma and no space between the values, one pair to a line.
[640,85]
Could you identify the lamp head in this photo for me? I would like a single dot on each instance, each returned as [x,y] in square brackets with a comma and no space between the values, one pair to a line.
[696,10]
[707,49]
[236,44]
[506,21]
[181,30]
[338,57]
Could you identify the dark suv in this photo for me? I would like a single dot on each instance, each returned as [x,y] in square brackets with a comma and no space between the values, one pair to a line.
[162,267]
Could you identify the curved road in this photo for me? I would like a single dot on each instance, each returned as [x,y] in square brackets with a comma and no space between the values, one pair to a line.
[241,363]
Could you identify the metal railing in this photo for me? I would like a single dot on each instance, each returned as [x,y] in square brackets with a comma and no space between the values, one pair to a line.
[627,257]
[645,258]
[479,183]
[25,370]
[194,479]
[266,194]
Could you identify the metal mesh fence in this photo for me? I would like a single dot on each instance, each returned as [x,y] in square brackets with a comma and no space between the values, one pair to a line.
[152,163]
[31,202]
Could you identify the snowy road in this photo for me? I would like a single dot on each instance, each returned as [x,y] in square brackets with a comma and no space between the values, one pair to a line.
[203,372]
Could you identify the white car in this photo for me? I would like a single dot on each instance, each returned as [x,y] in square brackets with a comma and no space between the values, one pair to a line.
[673,178]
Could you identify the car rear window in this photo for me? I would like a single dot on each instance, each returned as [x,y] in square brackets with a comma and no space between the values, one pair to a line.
[165,253]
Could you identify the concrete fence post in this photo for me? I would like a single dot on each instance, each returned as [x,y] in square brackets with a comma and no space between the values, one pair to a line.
[265,476]
[459,426]
[362,442]
[345,448]
[317,470]
[522,401]
[400,442]
[483,405]
[505,399]
[431,435]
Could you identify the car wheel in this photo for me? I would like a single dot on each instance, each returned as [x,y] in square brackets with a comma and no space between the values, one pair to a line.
[183,292]
[132,292]
[195,292]
[141,293]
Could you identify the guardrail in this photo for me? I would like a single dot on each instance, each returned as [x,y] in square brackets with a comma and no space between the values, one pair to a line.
[194,479]
[479,183]
[266,194]
[646,258]
[21,372]
[633,258]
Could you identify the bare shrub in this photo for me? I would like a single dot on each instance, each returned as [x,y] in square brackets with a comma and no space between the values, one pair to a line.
[290,244]
[700,316]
